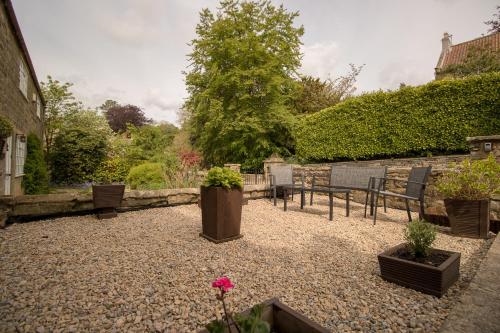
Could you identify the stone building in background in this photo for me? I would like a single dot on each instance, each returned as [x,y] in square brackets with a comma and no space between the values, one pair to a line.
[21,99]
[456,54]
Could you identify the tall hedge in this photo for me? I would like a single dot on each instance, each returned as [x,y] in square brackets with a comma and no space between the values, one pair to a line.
[435,117]
[35,180]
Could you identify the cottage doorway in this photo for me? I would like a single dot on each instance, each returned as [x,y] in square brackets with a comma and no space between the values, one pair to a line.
[8,165]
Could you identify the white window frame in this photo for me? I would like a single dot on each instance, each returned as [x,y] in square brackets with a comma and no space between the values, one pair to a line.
[23,79]
[20,154]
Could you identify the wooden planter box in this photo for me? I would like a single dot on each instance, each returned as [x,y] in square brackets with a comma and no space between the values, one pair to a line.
[470,218]
[220,213]
[283,319]
[106,199]
[425,278]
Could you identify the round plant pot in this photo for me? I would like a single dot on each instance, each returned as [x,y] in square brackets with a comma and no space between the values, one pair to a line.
[221,213]
[469,218]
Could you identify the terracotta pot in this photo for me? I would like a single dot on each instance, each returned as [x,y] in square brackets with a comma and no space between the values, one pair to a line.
[221,213]
[470,218]
[283,319]
[425,278]
[106,199]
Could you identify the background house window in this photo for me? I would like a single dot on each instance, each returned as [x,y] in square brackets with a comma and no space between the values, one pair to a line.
[23,79]
[20,154]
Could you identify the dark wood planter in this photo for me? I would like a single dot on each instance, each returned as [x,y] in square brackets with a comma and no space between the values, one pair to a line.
[425,278]
[106,199]
[284,319]
[470,218]
[221,213]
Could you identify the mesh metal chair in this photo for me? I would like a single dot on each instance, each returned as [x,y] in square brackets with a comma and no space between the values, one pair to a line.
[414,190]
[282,175]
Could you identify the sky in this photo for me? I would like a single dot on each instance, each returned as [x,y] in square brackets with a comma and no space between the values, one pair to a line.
[134,51]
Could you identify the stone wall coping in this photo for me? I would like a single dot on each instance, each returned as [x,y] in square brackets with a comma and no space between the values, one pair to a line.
[483,138]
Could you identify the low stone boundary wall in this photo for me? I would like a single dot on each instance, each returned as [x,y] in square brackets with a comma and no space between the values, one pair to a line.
[434,204]
[32,207]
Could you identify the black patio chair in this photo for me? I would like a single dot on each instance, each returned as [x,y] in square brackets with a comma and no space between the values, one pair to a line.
[280,176]
[415,188]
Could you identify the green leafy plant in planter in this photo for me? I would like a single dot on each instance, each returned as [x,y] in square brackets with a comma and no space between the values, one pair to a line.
[5,128]
[5,132]
[223,177]
[415,264]
[467,191]
[419,236]
[221,199]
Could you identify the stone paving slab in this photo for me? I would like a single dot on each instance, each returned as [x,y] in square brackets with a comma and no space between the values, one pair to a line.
[479,307]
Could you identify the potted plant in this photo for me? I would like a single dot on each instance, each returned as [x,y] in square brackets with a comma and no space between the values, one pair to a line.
[221,199]
[269,316]
[5,132]
[108,193]
[416,265]
[467,193]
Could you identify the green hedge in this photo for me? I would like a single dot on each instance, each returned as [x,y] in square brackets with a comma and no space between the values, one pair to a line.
[36,179]
[432,118]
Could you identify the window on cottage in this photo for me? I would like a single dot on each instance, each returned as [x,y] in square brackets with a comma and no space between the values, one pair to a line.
[38,106]
[23,79]
[20,154]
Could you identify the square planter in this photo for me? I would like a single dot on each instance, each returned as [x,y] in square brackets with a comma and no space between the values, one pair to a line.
[106,199]
[284,319]
[425,278]
[469,218]
[221,213]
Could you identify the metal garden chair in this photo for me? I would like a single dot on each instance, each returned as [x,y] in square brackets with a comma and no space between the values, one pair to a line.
[281,176]
[414,190]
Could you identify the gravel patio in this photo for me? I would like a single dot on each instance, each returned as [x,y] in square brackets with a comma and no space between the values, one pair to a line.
[150,271]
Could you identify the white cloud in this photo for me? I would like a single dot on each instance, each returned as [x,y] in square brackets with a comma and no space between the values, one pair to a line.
[320,59]
[407,72]
[138,24]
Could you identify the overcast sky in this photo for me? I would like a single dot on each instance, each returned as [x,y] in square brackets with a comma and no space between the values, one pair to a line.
[134,51]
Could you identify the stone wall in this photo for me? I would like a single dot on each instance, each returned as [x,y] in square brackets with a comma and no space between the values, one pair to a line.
[32,207]
[400,169]
[21,110]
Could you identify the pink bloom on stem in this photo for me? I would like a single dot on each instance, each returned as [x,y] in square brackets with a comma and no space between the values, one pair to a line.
[223,283]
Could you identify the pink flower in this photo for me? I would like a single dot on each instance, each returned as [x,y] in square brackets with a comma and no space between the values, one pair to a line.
[223,283]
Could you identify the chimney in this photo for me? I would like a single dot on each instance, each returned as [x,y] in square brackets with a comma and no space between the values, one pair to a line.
[446,42]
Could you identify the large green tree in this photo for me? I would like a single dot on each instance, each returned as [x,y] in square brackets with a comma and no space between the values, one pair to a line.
[316,94]
[241,81]
[60,102]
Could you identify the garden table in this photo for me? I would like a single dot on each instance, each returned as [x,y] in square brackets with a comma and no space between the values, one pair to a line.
[322,189]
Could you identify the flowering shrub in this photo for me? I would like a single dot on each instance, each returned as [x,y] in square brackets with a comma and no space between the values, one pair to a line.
[190,159]
[243,324]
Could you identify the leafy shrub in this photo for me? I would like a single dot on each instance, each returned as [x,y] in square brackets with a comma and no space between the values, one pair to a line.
[474,180]
[35,180]
[436,117]
[5,127]
[112,170]
[79,148]
[147,176]
[420,235]
[223,177]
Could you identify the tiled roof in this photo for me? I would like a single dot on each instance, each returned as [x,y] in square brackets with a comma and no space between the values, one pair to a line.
[458,52]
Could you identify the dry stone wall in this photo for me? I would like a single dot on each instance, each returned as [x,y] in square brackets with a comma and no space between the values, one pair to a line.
[31,207]
[399,169]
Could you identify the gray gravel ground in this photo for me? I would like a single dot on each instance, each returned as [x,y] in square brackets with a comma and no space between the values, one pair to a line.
[150,271]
